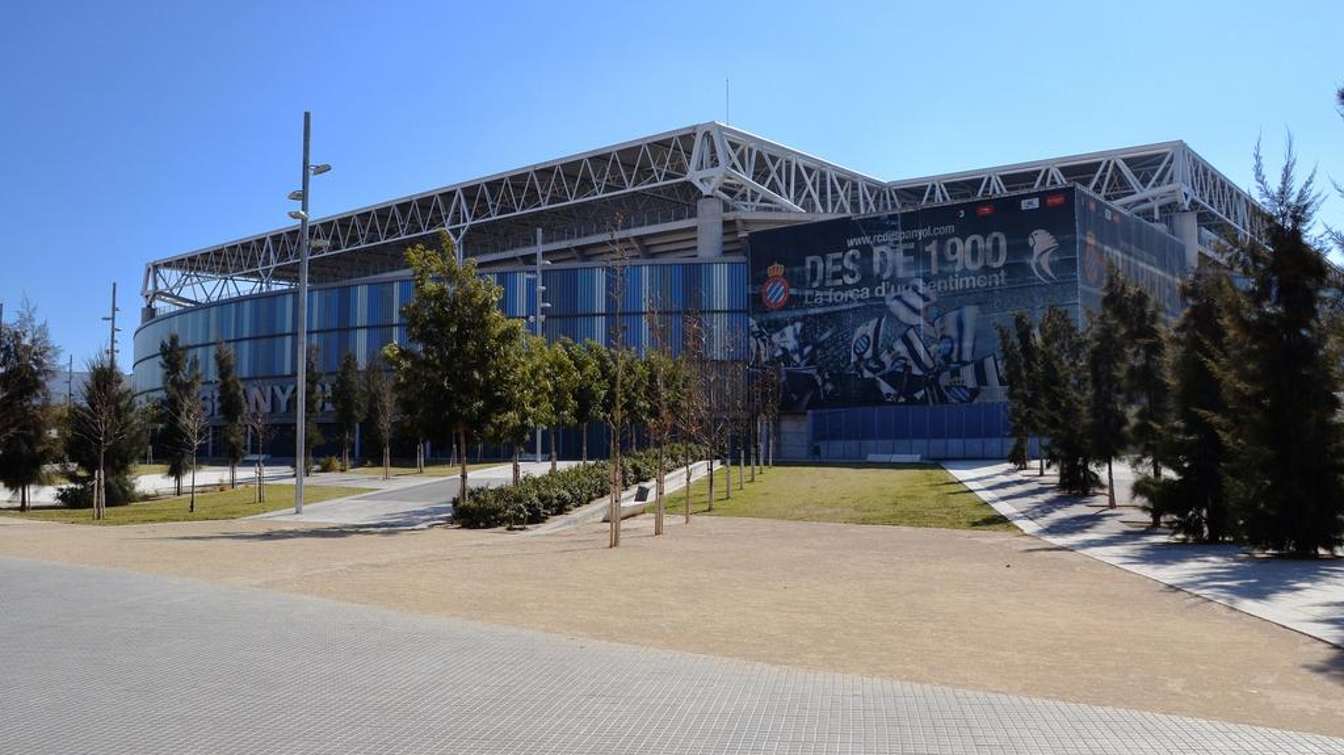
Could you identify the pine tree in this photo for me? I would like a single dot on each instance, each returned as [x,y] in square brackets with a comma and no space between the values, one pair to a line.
[1283,433]
[27,359]
[1191,497]
[1107,358]
[1062,401]
[232,409]
[107,435]
[348,398]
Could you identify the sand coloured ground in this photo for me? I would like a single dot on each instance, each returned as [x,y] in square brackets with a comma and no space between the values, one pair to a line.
[978,610]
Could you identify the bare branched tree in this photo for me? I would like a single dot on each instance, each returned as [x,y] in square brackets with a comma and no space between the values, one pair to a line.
[259,427]
[194,427]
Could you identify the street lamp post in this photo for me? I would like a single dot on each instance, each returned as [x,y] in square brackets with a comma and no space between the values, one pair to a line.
[539,318]
[301,390]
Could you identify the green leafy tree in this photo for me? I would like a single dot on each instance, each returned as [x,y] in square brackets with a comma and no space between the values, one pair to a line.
[27,362]
[1281,381]
[590,358]
[181,385]
[1107,422]
[1192,496]
[562,376]
[518,398]
[232,410]
[351,404]
[1063,400]
[463,342]
[107,434]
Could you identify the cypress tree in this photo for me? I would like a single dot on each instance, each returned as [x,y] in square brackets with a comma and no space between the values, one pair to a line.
[1017,384]
[1281,378]
[1107,358]
[312,435]
[349,401]
[181,384]
[27,359]
[1190,447]
[1062,401]
[232,409]
[1147,386]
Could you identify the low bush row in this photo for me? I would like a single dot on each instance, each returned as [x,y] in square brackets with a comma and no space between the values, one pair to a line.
[535,499]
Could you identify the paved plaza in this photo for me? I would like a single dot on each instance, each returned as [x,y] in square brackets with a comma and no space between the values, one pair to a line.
[108,661]
[1307,596]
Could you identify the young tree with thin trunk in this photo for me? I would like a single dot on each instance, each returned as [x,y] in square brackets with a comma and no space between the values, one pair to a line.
[194,425]
[232,409]
[462,340]
[259,427]
[350,403]
[382,412]
[664,394]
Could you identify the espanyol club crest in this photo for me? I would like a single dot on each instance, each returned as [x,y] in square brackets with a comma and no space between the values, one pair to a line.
[775,290]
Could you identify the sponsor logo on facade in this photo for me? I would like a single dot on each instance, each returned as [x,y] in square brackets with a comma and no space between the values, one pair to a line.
[1043,247]
[775,290]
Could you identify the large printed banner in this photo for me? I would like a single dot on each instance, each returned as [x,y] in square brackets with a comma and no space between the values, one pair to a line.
[901,308]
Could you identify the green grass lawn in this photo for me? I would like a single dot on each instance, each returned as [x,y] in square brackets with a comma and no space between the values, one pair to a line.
[909,496]
[431,470]
[229,504]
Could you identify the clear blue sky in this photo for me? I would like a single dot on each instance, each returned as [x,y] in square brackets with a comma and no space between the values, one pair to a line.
[138,130]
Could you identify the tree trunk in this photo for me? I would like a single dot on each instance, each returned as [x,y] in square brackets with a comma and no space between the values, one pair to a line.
[192,507]
[583,442]
[233,474]
[1110,485]
[554,433]
[1041,473]
[261,481]
[658,496]
[462,474]
[741,468]
[517,472]
[688,491]
[711,482]
[387,462]
[177,485]
[23,498]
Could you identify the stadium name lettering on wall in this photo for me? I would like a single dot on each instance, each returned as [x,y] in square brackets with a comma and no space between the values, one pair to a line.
[273,399]
[954,263]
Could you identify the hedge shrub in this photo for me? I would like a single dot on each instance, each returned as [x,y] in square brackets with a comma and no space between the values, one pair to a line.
[535,499]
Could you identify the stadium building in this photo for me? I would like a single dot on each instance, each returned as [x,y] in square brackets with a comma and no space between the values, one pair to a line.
[876,300]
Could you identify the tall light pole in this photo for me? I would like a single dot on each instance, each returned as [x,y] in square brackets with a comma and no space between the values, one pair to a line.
[112,336]
[301,390]
[539,318]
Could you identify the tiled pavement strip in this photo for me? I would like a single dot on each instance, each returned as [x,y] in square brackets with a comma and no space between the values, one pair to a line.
[1306,596]
[108,661]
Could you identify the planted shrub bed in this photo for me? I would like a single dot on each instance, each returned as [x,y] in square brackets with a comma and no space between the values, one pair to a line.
[535,499]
